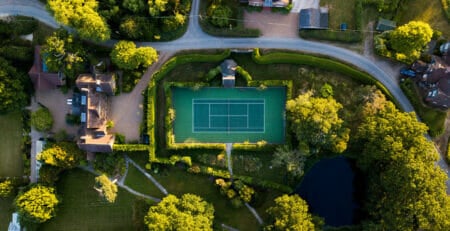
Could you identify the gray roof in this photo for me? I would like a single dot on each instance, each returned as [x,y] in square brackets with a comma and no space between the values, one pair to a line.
[313,18]
[227,67]
[384,25]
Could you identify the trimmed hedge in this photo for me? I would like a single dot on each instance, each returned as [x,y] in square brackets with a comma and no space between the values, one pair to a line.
[259,146]
[348,36]
[446,7]
[212,73]
[323,63]
[242,72]
[447,157]
[130,147]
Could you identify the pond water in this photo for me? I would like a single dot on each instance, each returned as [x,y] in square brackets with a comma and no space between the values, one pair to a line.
[329,188]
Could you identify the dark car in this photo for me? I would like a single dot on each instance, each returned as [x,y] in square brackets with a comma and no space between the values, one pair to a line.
[408,72]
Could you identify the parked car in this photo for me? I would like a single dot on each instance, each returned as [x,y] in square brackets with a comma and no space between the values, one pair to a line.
[408,72]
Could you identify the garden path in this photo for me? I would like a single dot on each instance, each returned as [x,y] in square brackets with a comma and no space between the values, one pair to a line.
[228,148]
[150,177]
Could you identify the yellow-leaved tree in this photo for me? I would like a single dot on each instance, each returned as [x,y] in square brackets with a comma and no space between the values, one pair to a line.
[38,204]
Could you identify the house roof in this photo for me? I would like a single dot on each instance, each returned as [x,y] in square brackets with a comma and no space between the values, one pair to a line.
[437,83]
[313,18]
[104,82]
[384,25]
[228,67]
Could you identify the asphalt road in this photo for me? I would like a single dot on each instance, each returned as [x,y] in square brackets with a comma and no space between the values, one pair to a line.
[195,38]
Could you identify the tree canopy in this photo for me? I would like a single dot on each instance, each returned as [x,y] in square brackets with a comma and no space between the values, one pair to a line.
[12,95]
[107,188]
[316,122]
[42,119]
[38,204]
[6,188]
[219,14]
[406,190]
[81,15]
[190,212]
[62,154]
[157,6]
[128,57]
[290,213]
[292,160]
[406,42]
[62,52]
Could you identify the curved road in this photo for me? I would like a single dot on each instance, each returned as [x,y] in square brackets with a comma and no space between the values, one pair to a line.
[195,38]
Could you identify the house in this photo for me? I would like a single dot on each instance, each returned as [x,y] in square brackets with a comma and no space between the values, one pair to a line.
[94,111]
[39,75]
[385,25]
[313,18]
[228,70]
[14,225]
[268,3]
[434,80]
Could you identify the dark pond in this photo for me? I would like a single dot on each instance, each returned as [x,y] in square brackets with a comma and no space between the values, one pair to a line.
[329,188]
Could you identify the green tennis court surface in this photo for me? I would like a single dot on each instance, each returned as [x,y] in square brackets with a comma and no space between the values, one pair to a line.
[212,115]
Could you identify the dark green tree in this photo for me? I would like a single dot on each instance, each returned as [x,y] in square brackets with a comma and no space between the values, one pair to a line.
[12,96]
[219,15]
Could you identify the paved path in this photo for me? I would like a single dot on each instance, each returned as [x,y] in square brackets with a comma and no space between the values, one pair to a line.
[34,135]
[228,147]
[150,177]
[194,38]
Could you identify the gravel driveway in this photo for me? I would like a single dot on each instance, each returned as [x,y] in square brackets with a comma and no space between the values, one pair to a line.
[273,24]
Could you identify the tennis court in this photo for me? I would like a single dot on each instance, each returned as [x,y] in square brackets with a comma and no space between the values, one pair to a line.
[228,115]
[212,115]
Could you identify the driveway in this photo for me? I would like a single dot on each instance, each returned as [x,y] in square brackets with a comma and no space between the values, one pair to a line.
[273,24]
[56,102]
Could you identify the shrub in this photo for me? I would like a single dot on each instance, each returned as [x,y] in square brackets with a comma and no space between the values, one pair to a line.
[6,188]
[110,164]
[194,169]
[42,119]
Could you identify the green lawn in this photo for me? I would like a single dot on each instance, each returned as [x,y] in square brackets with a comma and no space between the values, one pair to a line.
[340,11]
[137,181]
[83,209]
[179,182]
[428,11]
[6,210]
[11,163]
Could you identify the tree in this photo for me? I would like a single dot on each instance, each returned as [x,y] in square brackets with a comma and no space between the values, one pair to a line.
[63,154]
[135,6]
[316,122]
[62,52]
[126,56]
[38,204]
[6,188]
[410,39]
[157,6]
[190,212]
[407,190]
[292,160]
[42,120]
[290,213]
[12,94]
[219,15]
[133,27]
[174,22]
[81,15]
[107,188]
[49,174]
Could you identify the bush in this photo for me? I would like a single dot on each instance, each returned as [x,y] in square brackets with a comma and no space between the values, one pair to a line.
[42,119]
[445,5]
[110,164]
[347,36]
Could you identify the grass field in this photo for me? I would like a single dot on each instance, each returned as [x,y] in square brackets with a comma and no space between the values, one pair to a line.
[179,182]
[83,209]
[428,11]
[11,163]
[340,11]
[137,181]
